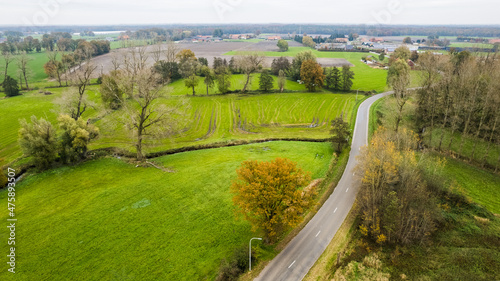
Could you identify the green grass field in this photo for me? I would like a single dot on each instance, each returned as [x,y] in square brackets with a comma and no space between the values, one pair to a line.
[108,220]
[232,117]
[23,107]
[211,118]
[35,65]
[237,82]
[471,45]
[365,79]
[481,186]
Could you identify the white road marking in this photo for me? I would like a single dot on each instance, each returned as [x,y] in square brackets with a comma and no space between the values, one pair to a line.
[347,189]
[318,233]
[335,210]
[291,264]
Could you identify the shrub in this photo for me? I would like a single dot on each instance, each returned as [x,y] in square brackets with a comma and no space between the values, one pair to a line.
[10,86]
[38,140]
[232,269]
[75,137]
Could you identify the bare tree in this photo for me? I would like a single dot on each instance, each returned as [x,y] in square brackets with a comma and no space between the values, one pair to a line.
[428,92]
[24,70]
[156,53]
[54,68]
[115,61]
[171,52]
[398,78]
[74,101]
[249,63]
[8,59]
[145,115]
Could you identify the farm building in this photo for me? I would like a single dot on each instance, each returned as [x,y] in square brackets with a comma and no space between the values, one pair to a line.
[271,38]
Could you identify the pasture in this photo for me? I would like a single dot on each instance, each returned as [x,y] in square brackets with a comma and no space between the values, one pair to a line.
[108,220]
[237,83]
[231,117]
[213,118]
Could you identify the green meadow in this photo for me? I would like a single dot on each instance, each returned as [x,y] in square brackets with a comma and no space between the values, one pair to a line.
[209,119]
[108,220]
[37,60]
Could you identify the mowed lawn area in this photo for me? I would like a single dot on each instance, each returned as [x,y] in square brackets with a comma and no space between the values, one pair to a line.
[108,220]
[366,78]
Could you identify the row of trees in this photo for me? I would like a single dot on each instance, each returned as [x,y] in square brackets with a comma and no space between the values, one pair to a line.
[16,43]
[57,65]
[460,94]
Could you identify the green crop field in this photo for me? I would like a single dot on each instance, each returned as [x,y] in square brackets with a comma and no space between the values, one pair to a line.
[259,116]
[108,220]
[366,78]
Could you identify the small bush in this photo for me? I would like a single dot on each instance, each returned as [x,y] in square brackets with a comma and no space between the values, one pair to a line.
[232,269]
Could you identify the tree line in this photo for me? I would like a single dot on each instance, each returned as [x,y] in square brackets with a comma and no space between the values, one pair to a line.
[460,94]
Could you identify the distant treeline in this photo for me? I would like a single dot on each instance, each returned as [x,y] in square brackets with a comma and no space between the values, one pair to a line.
[55,41]
[370,30]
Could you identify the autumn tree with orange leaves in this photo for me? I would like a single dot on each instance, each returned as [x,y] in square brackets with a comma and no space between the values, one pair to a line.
[312,74]
[270,195]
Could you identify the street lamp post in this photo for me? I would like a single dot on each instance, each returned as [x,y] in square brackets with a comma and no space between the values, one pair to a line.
[250,252]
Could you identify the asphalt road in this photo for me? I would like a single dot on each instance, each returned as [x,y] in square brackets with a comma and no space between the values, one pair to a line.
[301,253]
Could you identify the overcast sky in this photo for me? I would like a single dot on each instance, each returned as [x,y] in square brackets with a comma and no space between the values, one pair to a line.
[97,12]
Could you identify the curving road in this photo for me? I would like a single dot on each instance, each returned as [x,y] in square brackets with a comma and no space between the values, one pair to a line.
[301,253]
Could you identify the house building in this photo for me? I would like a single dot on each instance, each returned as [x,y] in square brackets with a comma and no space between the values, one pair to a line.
[273,38]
